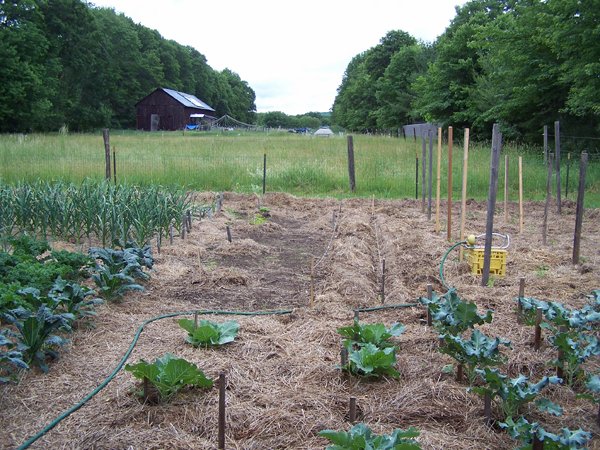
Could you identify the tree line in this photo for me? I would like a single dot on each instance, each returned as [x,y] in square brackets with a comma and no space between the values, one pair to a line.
[521,63]
[68,63]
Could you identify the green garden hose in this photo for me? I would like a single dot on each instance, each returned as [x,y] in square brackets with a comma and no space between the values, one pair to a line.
[102,385]
[444,260]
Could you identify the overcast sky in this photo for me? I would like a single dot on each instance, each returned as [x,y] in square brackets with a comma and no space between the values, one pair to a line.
[292,54]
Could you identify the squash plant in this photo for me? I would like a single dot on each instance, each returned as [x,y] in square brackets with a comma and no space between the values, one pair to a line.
[207,333]
[169,374]
[373,333]
[360,437]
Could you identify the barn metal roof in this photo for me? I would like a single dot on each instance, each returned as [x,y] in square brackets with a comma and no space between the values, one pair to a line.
[188,100]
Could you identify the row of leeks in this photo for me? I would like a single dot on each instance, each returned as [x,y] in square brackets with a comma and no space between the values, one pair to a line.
[98,210]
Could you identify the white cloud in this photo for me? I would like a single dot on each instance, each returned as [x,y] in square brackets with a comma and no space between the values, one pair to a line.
[292,54]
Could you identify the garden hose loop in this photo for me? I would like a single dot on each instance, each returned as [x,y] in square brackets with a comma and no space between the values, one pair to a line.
[114,373]
[467,244]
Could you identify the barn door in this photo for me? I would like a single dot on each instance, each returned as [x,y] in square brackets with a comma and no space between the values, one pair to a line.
[154,122]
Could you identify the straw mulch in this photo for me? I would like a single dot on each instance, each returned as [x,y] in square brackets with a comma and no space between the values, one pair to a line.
[283,386]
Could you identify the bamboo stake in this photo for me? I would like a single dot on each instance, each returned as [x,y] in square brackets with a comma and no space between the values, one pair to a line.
[438,179]
[450,139]
[520,194]
[538,329]
[463,218]
[580,208]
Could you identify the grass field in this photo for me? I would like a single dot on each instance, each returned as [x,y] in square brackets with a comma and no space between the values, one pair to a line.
[298,164]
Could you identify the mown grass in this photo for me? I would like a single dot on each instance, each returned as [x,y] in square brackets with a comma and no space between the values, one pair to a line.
[298,164]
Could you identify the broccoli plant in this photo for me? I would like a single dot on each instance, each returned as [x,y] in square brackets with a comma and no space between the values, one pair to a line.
[527,432]
[478,351]
[207,333]
[452,315]
[513,393]
[575,349]
[360,437]
[169,374]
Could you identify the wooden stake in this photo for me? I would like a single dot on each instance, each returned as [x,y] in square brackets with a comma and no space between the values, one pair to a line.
[537,444]
[312,282]
[171,233]
[344,356]
[460,373]
[450,139]
[463,217]
[221,444]
[228,233]
[106,138]
[557,161]
[183,227]
[430,297]
[383,281]
[438,180]
[567,180]
[351,170]
[579,209]
[487,408]
[538,329]
[423,172]
[519,304]
[264,183]
[491,205]
[520,194]
[505,189]
[548,198]
[115,165]
[430,175]
[352,412]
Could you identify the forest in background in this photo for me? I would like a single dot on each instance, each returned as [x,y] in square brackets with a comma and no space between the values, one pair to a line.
[67,63]
[521,63]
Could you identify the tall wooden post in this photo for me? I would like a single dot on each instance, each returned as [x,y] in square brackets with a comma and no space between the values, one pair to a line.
[423,171]
[430,134]
[491,205]
[351,172]
[557,160]
[579,210]
[520,194]
[106,137]
[221,437]
[264,184]
[463,209]
[548,198]
[438,179]
[416,166]
[450,139]
[545,144]
[506,189]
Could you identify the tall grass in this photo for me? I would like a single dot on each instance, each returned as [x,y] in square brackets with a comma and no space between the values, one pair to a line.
[298,164]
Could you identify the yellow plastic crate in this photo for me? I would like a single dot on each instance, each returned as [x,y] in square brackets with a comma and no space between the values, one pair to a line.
[497,261]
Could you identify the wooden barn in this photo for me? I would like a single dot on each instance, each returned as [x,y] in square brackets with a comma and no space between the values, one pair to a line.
[167,109]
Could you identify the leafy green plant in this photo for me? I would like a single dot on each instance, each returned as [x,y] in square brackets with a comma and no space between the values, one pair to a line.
[73,298]
[169,374]
[207,333]
[360,437]
[526,432]
[368,360]
[374,333]
[114,285]
[513,393]
[452,315]
[575,349]
[36,337]
[10,359]
[479,351]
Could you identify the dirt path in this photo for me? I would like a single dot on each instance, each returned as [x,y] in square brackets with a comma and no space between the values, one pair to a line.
[283,384]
